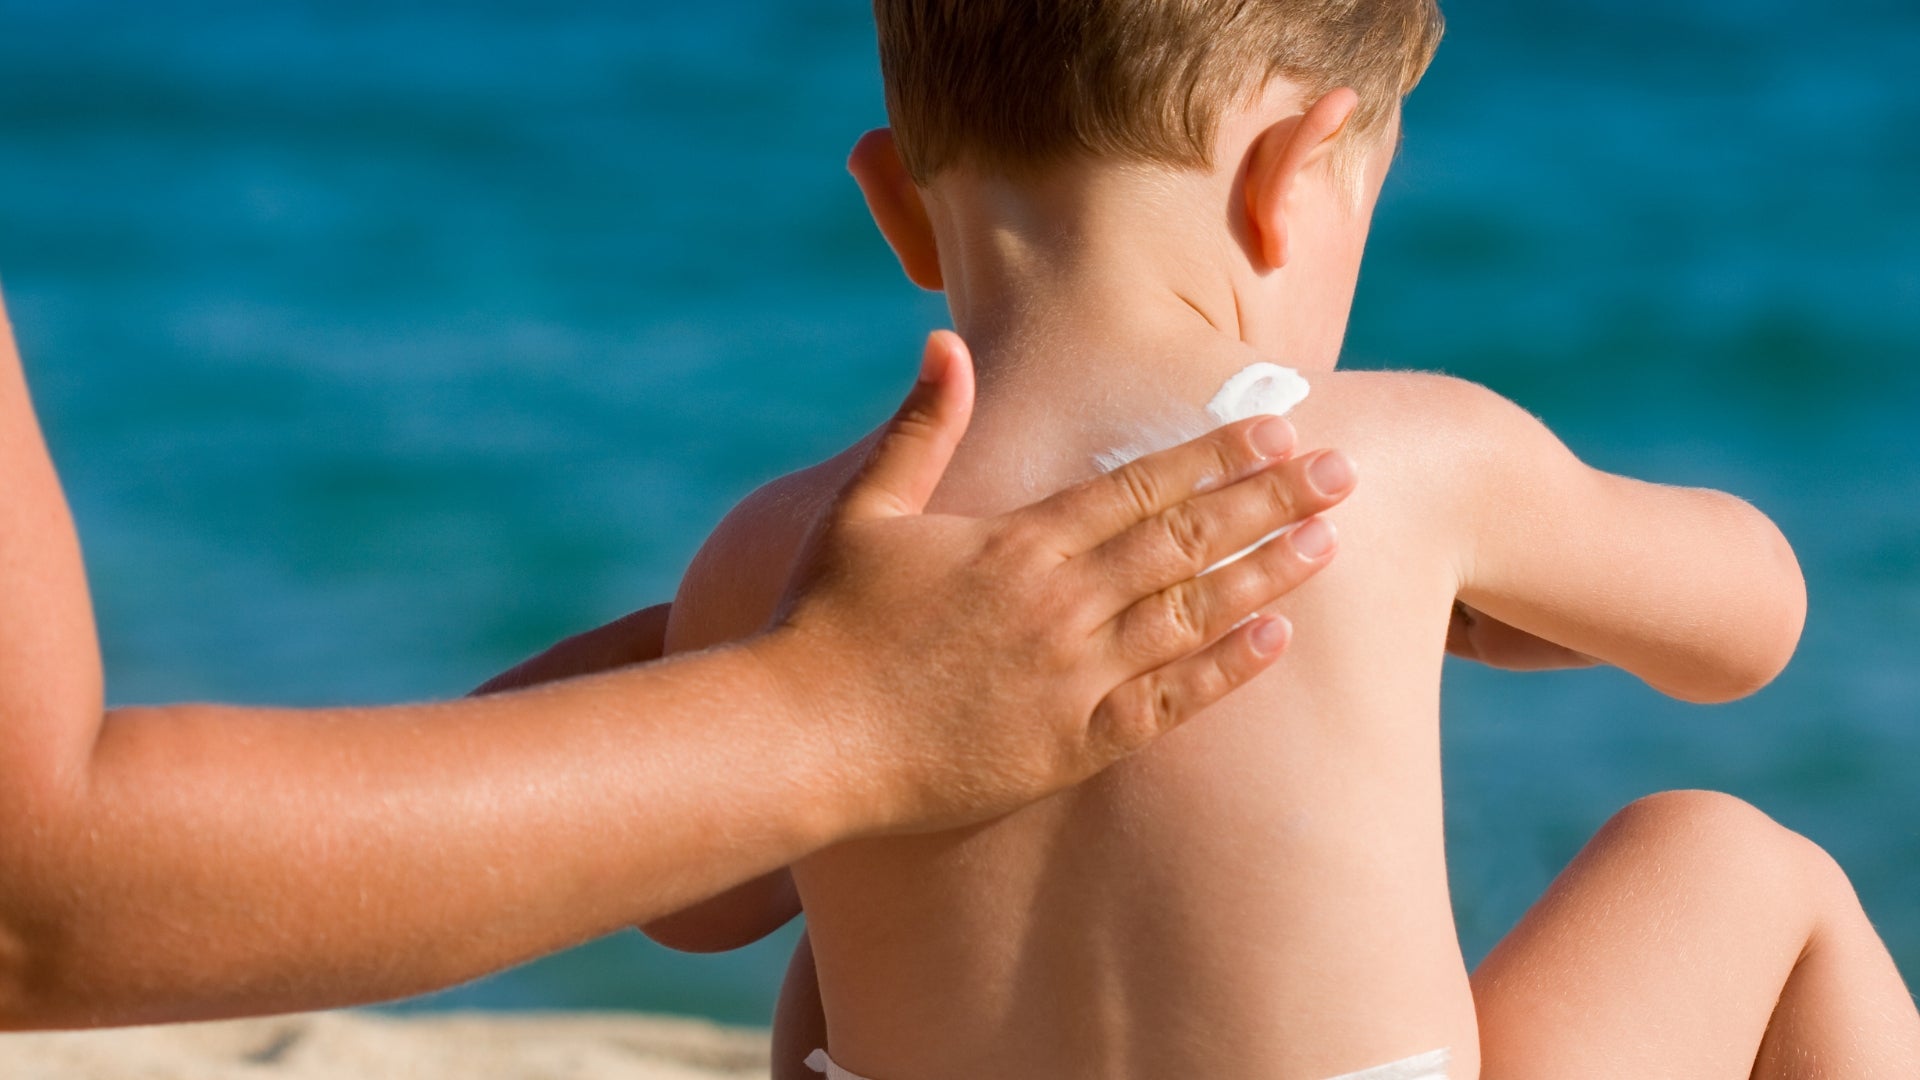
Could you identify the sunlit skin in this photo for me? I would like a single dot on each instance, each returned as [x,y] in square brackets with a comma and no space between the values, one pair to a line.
[1265,894]
[197,861]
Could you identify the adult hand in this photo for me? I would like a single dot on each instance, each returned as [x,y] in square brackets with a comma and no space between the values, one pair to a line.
[962,667]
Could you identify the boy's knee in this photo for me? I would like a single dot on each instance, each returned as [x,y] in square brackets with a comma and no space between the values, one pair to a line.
[1695,816]
[1713,830]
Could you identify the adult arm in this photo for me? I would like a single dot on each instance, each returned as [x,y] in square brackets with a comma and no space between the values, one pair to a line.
[197,861]
[1694,591]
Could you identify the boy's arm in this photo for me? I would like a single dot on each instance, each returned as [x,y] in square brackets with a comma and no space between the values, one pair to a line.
[1694,591]
[1473,635]
[730,591]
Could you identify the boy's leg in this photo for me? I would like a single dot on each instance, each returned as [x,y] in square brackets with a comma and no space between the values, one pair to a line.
[1695,937]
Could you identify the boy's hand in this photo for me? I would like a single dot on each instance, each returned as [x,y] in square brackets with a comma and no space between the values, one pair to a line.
[960,668]
[1472,635]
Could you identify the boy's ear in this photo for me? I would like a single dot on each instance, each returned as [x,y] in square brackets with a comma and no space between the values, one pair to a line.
[894,201]
[1281,156]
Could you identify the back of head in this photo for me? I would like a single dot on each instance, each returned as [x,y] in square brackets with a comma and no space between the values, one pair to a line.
[1015,85]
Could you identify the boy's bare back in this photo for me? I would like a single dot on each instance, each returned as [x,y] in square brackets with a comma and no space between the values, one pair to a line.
[1263,893]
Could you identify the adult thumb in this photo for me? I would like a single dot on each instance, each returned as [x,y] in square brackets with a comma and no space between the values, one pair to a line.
[913,450]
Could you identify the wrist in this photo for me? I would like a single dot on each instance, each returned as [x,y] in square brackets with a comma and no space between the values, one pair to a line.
[811,692]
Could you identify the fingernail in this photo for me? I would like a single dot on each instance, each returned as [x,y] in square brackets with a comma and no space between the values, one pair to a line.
[1270,635]
[1314,540]
[1331,473]
[1273,438]
[933,363]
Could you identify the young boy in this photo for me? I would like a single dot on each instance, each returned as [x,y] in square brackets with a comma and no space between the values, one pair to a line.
[1128,202]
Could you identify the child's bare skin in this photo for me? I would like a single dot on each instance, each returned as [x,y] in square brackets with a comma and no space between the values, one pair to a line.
[1265,894]
[183,862]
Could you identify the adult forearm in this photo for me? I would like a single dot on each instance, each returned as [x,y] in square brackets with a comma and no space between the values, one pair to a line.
[215,861]
[194,861]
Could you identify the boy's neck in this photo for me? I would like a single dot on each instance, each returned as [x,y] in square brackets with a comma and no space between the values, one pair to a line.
[1134,259]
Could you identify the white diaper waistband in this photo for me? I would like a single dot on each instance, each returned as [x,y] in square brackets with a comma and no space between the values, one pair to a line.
[819,1062]
[1429,1066]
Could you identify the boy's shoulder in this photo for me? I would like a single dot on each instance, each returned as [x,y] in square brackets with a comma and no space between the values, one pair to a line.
[734,584]
[1386,400]
[1425,426]
[1441,459]
[1419,437]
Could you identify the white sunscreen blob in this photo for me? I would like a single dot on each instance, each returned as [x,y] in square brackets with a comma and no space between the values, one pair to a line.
[1257,390]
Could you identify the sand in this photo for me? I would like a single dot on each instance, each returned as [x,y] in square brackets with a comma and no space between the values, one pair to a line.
[356,1045]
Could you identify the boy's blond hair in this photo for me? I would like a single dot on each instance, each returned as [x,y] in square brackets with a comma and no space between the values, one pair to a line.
[1013,85]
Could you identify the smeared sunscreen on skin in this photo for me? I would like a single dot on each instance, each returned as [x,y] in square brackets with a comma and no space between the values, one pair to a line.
[1152,436]
[1260,389]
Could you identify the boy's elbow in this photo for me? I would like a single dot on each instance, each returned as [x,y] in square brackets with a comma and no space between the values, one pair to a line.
[1732,681]
[16,998]
[1782,618]
[1780,607]
[1771,617]
[689,934]
[732,920]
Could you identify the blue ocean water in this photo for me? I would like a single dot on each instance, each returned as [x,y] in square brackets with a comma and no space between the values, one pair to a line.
[380,344]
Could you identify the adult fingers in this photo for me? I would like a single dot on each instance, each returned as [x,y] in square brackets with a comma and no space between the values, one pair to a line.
[1143,709]
[1089,514]
[913,450]
[1174,622]
[1188,538]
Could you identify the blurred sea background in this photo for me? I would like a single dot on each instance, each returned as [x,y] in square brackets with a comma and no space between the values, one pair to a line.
[381,344]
